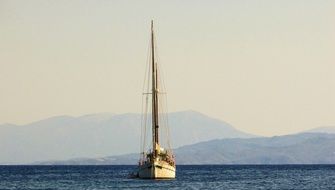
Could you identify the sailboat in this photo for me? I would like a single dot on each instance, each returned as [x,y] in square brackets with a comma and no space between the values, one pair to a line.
[157,162]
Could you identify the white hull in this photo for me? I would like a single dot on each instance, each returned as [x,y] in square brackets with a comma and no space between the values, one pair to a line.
[157,170]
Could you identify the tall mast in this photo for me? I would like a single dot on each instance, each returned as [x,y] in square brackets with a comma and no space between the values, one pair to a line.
[154,94]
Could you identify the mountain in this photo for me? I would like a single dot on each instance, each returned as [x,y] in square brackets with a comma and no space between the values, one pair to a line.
[304,148]
[325,129]
[307,148]
[98,135]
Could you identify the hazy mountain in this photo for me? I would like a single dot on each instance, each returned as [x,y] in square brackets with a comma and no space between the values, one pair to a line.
[98,135]
[325,129]
[307,148]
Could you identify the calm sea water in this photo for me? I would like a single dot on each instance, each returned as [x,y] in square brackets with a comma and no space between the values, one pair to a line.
[188,177]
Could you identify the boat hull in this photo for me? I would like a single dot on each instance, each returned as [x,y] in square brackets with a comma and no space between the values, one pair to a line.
[157,170]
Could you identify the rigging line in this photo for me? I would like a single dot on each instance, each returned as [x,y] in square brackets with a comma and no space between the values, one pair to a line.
[167,124]
[144,108]
[147,119]
[161,111]
[163,88]
[162,116]
[146,66]
[164,105]
[145,124]
[160,71]
[142,128]
[142,134]
[166,119]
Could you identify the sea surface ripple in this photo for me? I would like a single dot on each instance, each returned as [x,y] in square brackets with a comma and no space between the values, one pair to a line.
[188,177]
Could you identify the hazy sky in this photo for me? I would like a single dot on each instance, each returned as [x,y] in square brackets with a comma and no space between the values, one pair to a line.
[267,67]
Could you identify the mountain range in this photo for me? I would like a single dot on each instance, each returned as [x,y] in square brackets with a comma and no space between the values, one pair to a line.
[98,135]
[107,138]
[302,148]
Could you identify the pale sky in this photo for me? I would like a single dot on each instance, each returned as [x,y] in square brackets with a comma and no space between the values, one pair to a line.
[266,67]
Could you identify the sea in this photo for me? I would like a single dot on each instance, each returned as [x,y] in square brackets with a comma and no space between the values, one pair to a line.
[188,177]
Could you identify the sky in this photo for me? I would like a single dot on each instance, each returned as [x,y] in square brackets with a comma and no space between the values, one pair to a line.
[266,67]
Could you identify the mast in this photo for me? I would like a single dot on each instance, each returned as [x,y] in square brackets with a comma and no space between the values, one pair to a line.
[154,94]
